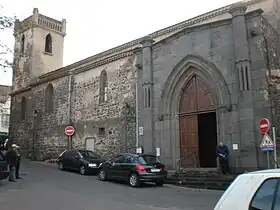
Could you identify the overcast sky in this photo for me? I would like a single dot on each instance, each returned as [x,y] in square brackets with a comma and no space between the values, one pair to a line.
[97,25]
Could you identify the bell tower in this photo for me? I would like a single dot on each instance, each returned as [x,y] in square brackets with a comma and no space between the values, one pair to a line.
[38,50]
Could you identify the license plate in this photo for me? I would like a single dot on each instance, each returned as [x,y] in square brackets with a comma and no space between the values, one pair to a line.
[92,165]
[155,170]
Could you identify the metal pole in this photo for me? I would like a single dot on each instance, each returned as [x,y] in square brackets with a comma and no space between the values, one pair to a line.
[267,156]
[275,146]
[33,139]
[137,121]
[69,143]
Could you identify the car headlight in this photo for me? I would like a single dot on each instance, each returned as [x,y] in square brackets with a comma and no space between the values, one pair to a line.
[92,165]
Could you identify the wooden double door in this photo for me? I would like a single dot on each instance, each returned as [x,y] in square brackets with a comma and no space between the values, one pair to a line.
[198,131]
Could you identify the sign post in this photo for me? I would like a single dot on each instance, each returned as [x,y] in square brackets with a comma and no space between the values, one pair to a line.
[69,130]
[267,144]
[275,144]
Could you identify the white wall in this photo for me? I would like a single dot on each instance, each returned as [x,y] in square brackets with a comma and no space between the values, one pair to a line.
[5,116]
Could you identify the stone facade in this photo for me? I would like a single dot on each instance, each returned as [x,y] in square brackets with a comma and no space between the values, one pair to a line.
[44,132]
[225,48]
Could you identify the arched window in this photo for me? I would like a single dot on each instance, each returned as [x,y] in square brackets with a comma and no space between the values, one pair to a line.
[48,44]
[22,41]
[103,86]
[23,108]
[49,99]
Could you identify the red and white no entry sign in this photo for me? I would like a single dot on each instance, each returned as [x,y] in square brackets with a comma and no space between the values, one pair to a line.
[69,130]
[264,125]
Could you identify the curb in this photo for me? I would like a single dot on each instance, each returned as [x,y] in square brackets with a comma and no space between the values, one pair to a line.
[192,189]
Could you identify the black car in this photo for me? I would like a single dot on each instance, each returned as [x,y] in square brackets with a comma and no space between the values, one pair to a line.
[84,161]
[134,169]
[3,167]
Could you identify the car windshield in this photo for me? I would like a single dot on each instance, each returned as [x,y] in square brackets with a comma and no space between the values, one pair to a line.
[88,154]
[148,159]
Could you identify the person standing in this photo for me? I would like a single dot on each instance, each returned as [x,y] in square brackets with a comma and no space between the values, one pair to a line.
[222,152]
[11,157]
[16,148]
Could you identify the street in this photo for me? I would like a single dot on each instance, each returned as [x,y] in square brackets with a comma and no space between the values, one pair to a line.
[44,187]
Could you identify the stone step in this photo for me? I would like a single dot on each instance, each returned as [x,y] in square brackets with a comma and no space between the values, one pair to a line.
[216,179]
[201,179]
[199,185]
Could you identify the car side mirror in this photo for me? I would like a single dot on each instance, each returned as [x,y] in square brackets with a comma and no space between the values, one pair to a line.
[77,157]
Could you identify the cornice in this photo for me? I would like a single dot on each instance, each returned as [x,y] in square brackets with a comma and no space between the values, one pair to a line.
[63,72]
[106,60]
[20,91]
[34,25]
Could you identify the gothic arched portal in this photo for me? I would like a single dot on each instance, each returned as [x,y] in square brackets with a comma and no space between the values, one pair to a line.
[198,126]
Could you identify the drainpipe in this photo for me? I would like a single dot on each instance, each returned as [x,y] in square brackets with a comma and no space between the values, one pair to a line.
[69,142]
[137,115]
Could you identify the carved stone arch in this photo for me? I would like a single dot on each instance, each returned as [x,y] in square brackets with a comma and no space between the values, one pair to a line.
[219,98]
[194,64]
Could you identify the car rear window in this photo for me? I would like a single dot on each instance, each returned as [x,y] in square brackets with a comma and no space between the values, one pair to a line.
[89,154]
[148,159]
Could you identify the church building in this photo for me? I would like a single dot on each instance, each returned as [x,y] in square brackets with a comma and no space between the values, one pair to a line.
[181,89]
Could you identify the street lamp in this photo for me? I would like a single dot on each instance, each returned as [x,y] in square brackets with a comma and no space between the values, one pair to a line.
[35,113]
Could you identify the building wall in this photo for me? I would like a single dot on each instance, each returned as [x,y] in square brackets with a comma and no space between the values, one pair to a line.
[5,116]
[22,60]
[212,49]
[43,62]
[87,114]
[33,61]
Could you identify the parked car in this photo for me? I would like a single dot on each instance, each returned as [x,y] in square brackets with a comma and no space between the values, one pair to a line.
[3,167]
[84,161]
[259,190]
[133,168]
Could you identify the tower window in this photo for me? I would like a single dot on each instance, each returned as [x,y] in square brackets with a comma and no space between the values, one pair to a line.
[49,99]
[103,87]
[22,41]
[48,44]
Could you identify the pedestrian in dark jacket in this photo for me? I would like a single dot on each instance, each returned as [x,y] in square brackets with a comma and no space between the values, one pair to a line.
[11,157]
[222,152]
[16,148]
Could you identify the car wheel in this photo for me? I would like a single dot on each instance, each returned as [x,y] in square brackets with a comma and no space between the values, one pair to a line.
[82,170]
[60,166]
[134,180]
[160,183]
[102,175]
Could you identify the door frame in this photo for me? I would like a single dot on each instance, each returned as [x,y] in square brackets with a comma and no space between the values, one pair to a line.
[90,137]
[170,101]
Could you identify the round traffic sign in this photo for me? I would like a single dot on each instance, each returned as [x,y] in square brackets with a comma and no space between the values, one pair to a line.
[69,130]
[264,125]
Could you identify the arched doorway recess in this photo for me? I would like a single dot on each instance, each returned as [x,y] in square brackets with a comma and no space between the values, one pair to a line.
[198,125]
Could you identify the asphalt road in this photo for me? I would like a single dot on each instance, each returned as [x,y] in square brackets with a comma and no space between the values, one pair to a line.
[46,188]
